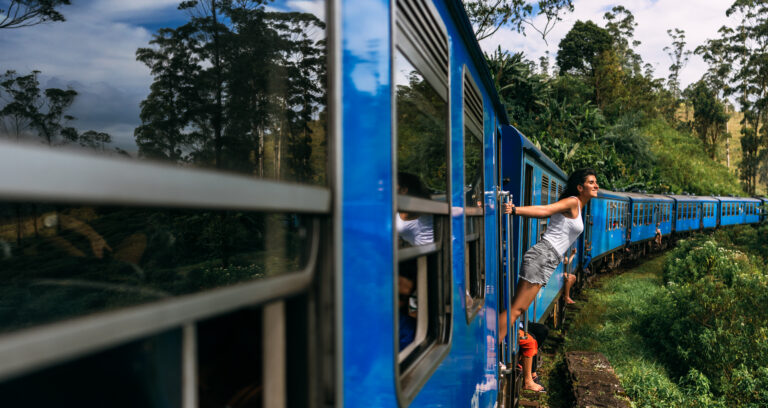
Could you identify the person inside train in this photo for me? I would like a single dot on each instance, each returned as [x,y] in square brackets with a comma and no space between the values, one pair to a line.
[564,228]
[570,278]
[413,229]
[406,285]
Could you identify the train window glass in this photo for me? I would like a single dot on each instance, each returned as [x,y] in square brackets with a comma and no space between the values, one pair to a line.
[177,83]
[544,189]
[634,215]
[474,247]
[422,145]
[420,70]
[64,261]
[141,373]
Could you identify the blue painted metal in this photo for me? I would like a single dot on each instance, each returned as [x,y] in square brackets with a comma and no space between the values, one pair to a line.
[688,212]
[367,224]
[645,213]
[732,210]
[605,238]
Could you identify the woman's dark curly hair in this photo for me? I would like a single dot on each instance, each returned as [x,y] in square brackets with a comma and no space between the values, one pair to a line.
[576,179]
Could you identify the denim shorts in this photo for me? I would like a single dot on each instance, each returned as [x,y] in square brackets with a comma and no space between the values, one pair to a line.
[539,262]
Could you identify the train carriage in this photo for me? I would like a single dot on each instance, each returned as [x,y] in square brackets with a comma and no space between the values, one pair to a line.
[645,212]
[320,227]
[535,180]
[687,213]
[607,225]
[738,210]
[751,208]
[763,208]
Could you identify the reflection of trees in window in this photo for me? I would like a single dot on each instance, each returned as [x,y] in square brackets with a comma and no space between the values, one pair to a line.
[30,111]
[25,13]
[421,131]
[58,262]
[238,87]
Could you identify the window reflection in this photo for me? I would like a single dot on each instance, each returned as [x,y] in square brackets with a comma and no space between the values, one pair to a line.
[238,86]
[421,129]
[58,261]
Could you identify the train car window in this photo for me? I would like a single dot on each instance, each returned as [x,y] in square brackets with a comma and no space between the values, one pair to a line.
[544,189]
[421,94]
[185,147]
[474,247]
[553,191]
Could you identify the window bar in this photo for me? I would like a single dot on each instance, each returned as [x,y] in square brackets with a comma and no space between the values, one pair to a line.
[273,354]
[189,366]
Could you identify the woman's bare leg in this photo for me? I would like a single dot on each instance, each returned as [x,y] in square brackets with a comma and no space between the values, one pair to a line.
[529,384]
[569,281]
[526,292]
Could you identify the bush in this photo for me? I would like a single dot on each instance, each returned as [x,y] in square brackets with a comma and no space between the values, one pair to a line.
[711,324]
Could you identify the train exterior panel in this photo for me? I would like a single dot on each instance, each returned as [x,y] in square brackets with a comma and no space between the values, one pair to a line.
[734,210]
[608,223]
[646,212]
[687,213]
[751,208]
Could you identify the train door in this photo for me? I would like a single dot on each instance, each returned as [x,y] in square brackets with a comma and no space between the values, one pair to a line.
[508,395]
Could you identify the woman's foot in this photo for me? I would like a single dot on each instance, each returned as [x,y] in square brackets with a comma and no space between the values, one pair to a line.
[532,386]
[569,301]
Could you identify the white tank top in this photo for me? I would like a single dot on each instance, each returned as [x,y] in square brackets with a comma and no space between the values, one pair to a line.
[562,231]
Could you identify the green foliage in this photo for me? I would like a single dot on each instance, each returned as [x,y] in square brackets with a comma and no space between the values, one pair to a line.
[709,117]
[25,13]
[581,47]
[709,324]
[688,329]
[683,166]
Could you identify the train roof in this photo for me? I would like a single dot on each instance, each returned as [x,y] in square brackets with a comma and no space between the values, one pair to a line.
[736,198]
[612,194]
[680,197]
[531,148]
[648,197]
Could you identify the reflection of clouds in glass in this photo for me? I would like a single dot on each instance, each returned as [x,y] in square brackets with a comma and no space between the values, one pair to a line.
[403,69]
[316,7]
[369,20]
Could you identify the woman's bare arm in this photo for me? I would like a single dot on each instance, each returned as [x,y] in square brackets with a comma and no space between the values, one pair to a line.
[566,206]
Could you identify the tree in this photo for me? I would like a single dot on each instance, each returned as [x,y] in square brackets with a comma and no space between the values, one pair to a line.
[488,16]
[43,113]
[709,117]
[25,13]
[233,81]
[747,50]
[581,47]
[679,56]
[620,24]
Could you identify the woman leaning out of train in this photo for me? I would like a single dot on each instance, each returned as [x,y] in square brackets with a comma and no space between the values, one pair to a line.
[543,258]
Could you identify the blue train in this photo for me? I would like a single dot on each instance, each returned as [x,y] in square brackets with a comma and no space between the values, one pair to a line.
[308,221]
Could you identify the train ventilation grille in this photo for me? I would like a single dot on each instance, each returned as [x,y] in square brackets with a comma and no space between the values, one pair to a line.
[418,22]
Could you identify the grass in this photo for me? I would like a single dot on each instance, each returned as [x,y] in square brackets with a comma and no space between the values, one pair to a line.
[606,323]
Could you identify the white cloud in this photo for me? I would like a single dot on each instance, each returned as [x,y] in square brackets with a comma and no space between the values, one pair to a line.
[699,18]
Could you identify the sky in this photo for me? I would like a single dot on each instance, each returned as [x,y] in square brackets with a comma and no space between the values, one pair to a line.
[699,18]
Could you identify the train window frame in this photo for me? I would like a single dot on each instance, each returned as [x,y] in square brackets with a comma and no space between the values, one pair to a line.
[90,180]
[425,45]
[474,244]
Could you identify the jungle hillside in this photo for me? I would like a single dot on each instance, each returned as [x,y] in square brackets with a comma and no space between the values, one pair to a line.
[597,103]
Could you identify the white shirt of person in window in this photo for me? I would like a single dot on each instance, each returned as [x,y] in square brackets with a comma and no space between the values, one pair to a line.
[417,231]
